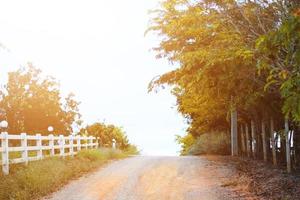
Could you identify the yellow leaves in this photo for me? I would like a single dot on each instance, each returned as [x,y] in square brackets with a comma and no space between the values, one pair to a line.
[283,75]
[296,12]
[221,49]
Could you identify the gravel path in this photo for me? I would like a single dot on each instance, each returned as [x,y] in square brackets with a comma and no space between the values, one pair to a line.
[153,178]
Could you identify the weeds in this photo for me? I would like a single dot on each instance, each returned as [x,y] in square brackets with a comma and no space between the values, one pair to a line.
[43,177]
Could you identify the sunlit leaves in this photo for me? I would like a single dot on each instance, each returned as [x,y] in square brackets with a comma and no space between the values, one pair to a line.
[241,54]
[106,134]
[33,102]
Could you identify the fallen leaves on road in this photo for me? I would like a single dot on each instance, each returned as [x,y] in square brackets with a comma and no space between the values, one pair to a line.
[260,179]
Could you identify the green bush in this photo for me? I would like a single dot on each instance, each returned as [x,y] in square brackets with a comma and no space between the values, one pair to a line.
[211,143]
[43,177]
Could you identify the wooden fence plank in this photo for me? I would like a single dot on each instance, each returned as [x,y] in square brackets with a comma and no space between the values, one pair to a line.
[39,146]
[5,153]
[24,146]
[64,142]
[71,145]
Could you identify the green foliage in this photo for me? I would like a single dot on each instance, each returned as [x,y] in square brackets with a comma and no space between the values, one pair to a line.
[43,177]
[280,51]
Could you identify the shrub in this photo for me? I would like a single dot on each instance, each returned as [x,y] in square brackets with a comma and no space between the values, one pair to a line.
[132,150]
[92,155]
[211,143]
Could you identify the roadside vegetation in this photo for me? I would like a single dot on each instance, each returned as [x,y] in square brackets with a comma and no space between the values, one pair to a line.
[31,102]
[264,181]
[209,143]
[43,177]
[233,57]
[107,133]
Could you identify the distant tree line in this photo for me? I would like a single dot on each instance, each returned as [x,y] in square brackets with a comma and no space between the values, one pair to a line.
[241,55]
[107,133]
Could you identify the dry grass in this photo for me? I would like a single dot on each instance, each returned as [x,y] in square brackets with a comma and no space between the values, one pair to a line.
[43,177]
[230,183]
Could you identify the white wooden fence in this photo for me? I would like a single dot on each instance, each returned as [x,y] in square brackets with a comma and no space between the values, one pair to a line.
[55,145]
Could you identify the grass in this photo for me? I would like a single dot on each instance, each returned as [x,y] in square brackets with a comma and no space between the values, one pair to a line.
[229,183]
[43,177]
[211,143]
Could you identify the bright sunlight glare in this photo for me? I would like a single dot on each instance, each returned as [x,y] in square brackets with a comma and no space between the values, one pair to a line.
[96,49]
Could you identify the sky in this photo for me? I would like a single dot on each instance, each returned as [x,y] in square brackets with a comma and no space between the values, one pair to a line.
[97,50]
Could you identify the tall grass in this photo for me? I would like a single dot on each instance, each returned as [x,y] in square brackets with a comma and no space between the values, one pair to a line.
[43,177]
[211,143]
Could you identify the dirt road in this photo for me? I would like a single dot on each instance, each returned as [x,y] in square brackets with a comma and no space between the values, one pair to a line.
[154,178]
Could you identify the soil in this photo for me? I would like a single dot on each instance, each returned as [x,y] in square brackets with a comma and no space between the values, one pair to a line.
[183,178]
[158,178]
[261,179]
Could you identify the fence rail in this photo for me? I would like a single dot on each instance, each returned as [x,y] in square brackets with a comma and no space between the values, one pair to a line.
[54,146]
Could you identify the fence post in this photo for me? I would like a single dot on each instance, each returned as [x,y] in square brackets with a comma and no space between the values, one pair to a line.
[248,143]
[91,142]
[62,145]
[97,142]
[264,142]
[273,142]
[287,143]
[253,135]
[51,145]
[78,143]
[86,142]
[25,149]
[39,146]
[71,145]
[5,153]
[113,143]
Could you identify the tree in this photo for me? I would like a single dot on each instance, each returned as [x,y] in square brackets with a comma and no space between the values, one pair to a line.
[106,133]
[215,43]
[280,59]
[33,102]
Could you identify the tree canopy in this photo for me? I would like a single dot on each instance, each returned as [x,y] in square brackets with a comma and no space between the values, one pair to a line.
[231,54]
[33,102]
[106,133]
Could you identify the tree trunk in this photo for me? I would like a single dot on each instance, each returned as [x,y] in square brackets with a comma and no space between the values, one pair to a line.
[287,147]
[234,132]
[273,142]
[264,142]
[243,143]
[248,141]
[253,135]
